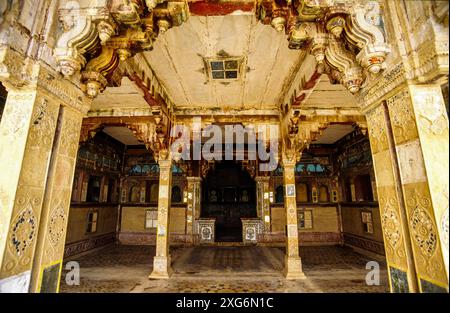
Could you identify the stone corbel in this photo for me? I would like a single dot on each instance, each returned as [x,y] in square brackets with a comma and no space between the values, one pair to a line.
[263,11]
[206,166]
[117,32]
[151,4]
[150,35]
[363,30]
[295,135]
[155,135]
[131,41]
[15,71]
[171,15]
[146,133]
[79,37]
[20,73]
[362,126]
[89,130]
[318,46]
[336,22]
[270,12]
[126,11]
[309,10]
[106,29]
[179,12]
[94,78]
[250,167]
[301,34]
[343,61]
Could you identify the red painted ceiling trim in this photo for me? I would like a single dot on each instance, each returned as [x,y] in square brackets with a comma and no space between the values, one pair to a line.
[299,99]
[312,81]
[147,95]
[208,8]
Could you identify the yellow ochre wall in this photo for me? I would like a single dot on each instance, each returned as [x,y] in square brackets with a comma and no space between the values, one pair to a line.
[76,228]
[133,219]
[325,225]
[353,231]
[133,231]
[351,222]
[325,219]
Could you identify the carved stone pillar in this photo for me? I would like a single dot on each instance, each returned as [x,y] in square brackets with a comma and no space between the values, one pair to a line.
[53,224]
[39,135]
[409,140]
[392,208]
[193,204]
[419,125]
[23,164]
[161,263]
[263,201]
[293,263]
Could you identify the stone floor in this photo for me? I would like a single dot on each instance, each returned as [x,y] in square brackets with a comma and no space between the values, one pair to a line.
[223,269]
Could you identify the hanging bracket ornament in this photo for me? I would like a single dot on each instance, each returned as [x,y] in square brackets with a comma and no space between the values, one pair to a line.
[346,37]
[94,40]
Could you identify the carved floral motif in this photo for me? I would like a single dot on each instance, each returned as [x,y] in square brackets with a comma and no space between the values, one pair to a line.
[402,117]
[423,231]
[57,225]
[431,110]
[24,230]
[391,226]
[377,129]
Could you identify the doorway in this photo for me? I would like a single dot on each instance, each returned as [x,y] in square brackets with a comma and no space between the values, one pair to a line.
[229,194]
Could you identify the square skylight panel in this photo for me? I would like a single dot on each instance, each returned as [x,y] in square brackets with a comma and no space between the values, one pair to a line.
[224,69]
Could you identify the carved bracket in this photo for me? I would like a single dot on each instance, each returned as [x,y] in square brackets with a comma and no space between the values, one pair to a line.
[95,39]
[346,37]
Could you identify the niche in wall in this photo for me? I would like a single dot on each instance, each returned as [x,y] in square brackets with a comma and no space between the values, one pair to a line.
[302,192]
[279,194]
[323,194]
[93,189]
[176,195]
[363,188]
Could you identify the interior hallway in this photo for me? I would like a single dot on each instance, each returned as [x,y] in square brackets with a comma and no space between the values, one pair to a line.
[119,268]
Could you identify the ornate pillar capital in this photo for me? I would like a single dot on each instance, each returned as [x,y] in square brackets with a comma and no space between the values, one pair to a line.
[194,179]
[25,74]
[15,71]
[262,179]
[165,164]
[289,160]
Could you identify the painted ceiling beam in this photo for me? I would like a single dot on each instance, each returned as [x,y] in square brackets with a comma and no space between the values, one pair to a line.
[216,8]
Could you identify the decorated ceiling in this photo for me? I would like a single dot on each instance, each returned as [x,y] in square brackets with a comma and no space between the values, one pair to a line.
[239,54]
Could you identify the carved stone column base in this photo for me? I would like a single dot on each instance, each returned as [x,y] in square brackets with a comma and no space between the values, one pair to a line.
[293,268]
[162,268]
